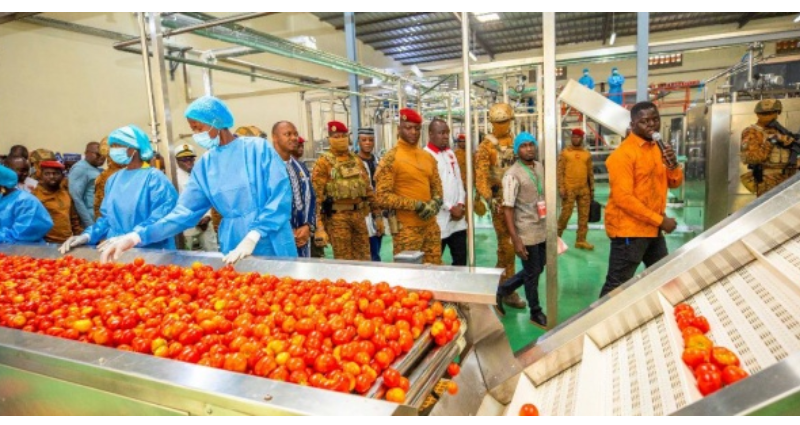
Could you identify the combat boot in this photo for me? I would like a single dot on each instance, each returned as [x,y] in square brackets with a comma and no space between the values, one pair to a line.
[514,301]
[584,245]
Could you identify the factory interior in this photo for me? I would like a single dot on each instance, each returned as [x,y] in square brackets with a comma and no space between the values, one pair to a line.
[734,257]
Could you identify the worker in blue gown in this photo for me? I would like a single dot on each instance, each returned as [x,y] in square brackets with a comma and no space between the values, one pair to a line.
[615,82]
[22,217]
[135,197]
[586,80]
[243,178]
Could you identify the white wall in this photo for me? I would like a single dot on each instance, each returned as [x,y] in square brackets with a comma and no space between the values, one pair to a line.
[62,89]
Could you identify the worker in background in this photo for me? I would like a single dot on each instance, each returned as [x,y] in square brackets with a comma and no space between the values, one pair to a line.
[586,80]
[636,212]
[461,155]
[344,198]
[495,155]
[82,180]
[375,224]
[768,149]
[100,182]
[22,216]
[316,251]
[523,191]
[22,168]
[241,177]
[615,82]
[304,220]
[36,158]
[250,131]
[202,236]
[56,200]
[407,181]
[135,197]
[450,218]
[576,185]
[18,150]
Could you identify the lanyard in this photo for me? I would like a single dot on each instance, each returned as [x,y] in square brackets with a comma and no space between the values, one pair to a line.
[533,178]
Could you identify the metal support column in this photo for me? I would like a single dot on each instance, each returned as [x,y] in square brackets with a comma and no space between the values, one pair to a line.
[505,88]
[467,84]
[352,79]
[642,55]
[550,146]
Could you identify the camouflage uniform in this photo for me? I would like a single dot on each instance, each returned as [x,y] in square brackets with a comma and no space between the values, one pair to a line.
[404,170]
[576,180]
[346,229]
[478,205]
[495,155]
[756,149]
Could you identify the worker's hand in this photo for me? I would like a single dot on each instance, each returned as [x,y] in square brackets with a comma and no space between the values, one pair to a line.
[668,225]
[72,242]
[379,226]
[321,238]
[430,209]
[520,249]
[457,212]
[204,222]
[244,249]
[669,155]
[113,248]
[497,207]
[301,235]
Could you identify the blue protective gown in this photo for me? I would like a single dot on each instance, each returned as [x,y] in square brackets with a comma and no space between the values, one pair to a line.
[615,83]
[23,218]
[587,81]
[247,183]
[134,199]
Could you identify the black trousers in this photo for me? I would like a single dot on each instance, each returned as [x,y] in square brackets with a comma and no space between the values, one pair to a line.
[458,247]
[626,255]
[529,276]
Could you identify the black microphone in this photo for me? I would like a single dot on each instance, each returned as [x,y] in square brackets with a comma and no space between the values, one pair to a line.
[657,137]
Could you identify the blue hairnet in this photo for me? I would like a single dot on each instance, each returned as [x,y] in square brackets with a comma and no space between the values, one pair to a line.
[211,111]
[8,178]
[585,69]
[132,137]
[523,138]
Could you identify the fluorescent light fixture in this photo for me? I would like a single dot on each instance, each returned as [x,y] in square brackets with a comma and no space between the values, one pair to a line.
[416,71]
[473,57]
[613,38]
[797,19]
[487,16]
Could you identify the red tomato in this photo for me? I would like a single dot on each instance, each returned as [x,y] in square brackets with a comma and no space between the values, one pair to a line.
[683,307]
[723,357]
[391,378]
[709,381]
[705,367]
[453,369]
[689,331]
[701,323]
[684,322]
[694,357]
[528,409]
[699,341]
[732,374]
[452,387]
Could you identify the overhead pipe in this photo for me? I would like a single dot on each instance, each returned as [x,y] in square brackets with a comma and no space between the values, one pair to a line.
[147,78]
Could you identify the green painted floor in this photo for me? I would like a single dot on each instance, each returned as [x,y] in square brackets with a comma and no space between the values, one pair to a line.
[581,274]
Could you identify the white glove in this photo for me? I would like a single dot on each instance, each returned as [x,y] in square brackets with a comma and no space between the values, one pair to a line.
[244,249]
[117,246]
[72,242]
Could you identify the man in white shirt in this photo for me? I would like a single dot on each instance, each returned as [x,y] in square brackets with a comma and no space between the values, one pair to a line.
[201,237]
[451,217]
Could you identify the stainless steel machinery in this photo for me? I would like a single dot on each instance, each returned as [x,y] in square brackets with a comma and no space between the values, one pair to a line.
[621,356]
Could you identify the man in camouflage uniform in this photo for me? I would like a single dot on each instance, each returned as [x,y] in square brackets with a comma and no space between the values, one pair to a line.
[766,150]
[407,181]
[100,182]
[576,184]
[495,155]
[344,198]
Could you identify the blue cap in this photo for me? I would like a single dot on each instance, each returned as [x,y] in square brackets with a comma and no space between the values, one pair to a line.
[8,178]
[585,69]
[210,111]
[132,137]
[614,69]
[523,138]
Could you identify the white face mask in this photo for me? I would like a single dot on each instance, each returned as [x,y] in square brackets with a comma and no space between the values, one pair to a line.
[205,141]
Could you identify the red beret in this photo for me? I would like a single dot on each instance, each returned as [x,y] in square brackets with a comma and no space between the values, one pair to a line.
[51,164]
[300,140]
[337,127]
[410,115]
[462,137]
[578,132]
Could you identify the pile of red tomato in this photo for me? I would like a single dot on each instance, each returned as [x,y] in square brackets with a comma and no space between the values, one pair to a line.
[335,335]
[712,366]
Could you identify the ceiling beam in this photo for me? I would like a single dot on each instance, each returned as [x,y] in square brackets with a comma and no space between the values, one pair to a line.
[474,25]
[746,17]
[368,34]
[13,16]
[360,23]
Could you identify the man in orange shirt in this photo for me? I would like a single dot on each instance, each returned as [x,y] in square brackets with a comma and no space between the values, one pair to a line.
[408,182]
[635,214]
[576,184]
[57,201]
